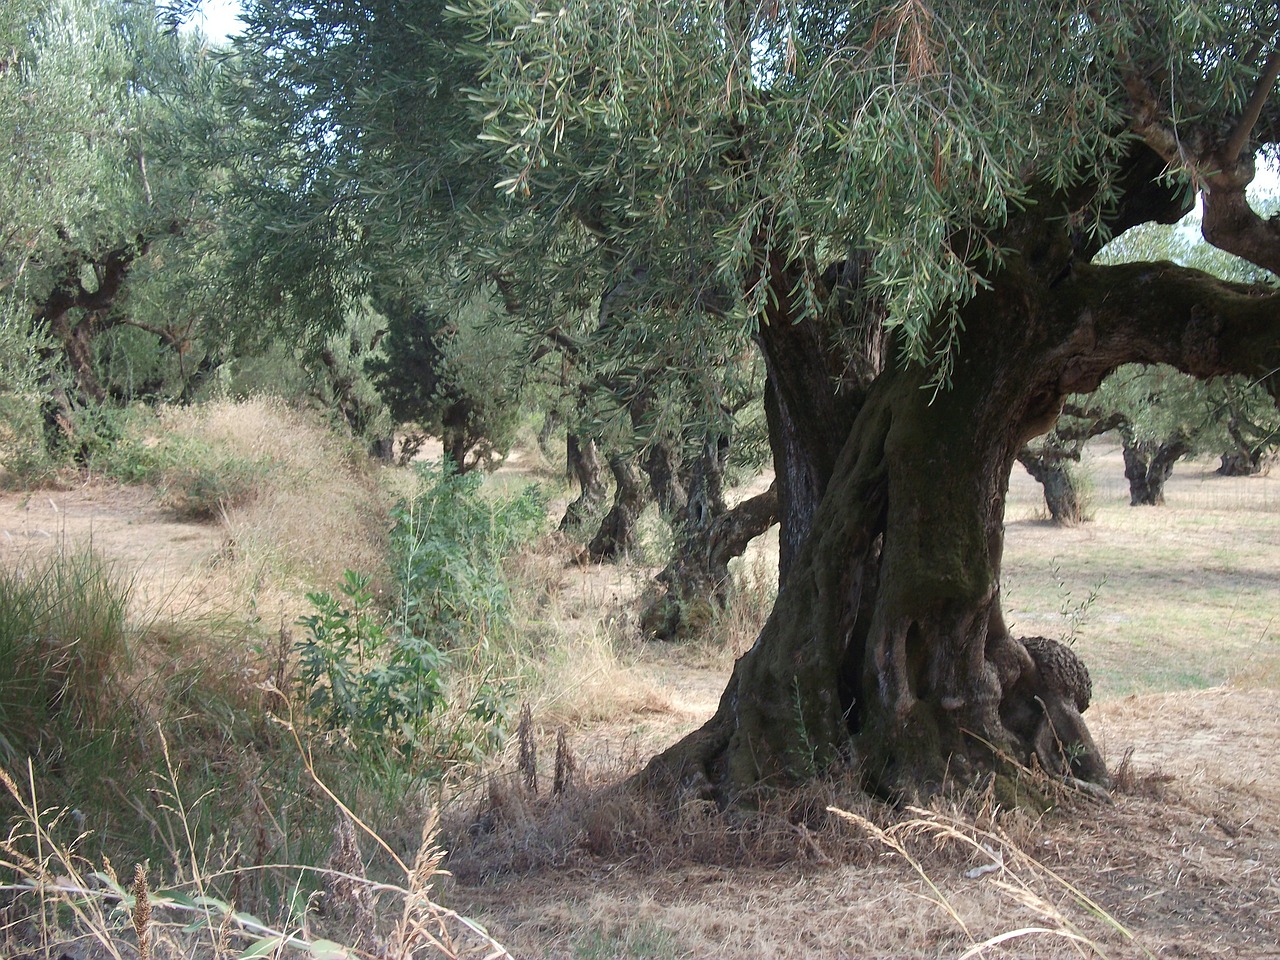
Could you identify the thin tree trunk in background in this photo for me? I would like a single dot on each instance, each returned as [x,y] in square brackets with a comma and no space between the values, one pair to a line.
[1060,493]
[1148,465]
[583,458]
[616,537]
[695,585]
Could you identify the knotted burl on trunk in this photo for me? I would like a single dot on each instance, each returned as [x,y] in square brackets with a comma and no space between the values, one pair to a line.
[1046,689]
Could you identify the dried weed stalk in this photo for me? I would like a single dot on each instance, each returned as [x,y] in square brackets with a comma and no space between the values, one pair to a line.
[141,912]
[1006,866]
[528,762]
[565,765]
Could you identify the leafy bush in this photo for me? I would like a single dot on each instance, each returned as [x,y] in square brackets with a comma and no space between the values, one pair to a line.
[362,680]
[105,441]
[197,479]
[23,456]
[396,680]
[447,547]
[113,443]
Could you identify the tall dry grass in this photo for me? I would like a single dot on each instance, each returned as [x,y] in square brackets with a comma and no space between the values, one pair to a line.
[57,900]
[315,508]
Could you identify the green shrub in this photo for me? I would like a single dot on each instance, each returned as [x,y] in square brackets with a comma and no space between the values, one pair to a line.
[197,478]
[447,548]
[113,444]
[415,680]
[23,456]
[358,678]
[384,691]
[105,441]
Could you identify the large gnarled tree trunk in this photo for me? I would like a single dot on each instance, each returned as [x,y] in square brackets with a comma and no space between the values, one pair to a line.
[887,646]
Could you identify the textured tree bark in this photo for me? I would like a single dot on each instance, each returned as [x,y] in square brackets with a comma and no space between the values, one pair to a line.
[1148,465]
[1239,464]
[76,339]
[550,423]
[357,411]
[74,315]
[583,457]
[1060,493]
[688,590]
[1246,459]
[1048,461]
[70,297]
[887,648]
[663,469]
[812,395]
[616,537]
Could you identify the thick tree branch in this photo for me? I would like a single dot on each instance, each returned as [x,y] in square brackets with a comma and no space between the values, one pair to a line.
[69,293]
[1095,425]
[1148,121]
[1223,168]
[1164,313]
[1231,224]
[734,530]
[169,337]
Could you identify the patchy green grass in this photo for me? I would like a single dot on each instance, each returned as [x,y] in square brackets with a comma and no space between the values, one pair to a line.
[1187,595]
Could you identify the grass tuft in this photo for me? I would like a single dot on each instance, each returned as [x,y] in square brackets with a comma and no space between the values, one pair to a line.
[64,642]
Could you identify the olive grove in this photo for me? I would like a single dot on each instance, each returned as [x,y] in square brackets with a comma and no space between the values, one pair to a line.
[898,204]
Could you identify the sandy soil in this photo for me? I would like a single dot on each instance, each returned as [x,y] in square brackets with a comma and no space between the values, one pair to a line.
[166,560]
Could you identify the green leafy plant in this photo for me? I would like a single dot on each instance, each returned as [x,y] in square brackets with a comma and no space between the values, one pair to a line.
[447,546]
[103,440]
[358,678]
[1074,613]
[388,679]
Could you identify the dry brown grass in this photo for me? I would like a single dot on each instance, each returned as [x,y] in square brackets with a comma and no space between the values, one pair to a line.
[317,511]
[56,902]
[573,644]
[1186,858]
[1183,863]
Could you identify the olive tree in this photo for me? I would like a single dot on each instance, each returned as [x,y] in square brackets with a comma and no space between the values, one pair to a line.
[108,239]
[904,202]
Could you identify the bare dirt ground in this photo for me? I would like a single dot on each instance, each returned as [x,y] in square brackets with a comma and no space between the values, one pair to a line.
[167,561]
[1183,639]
